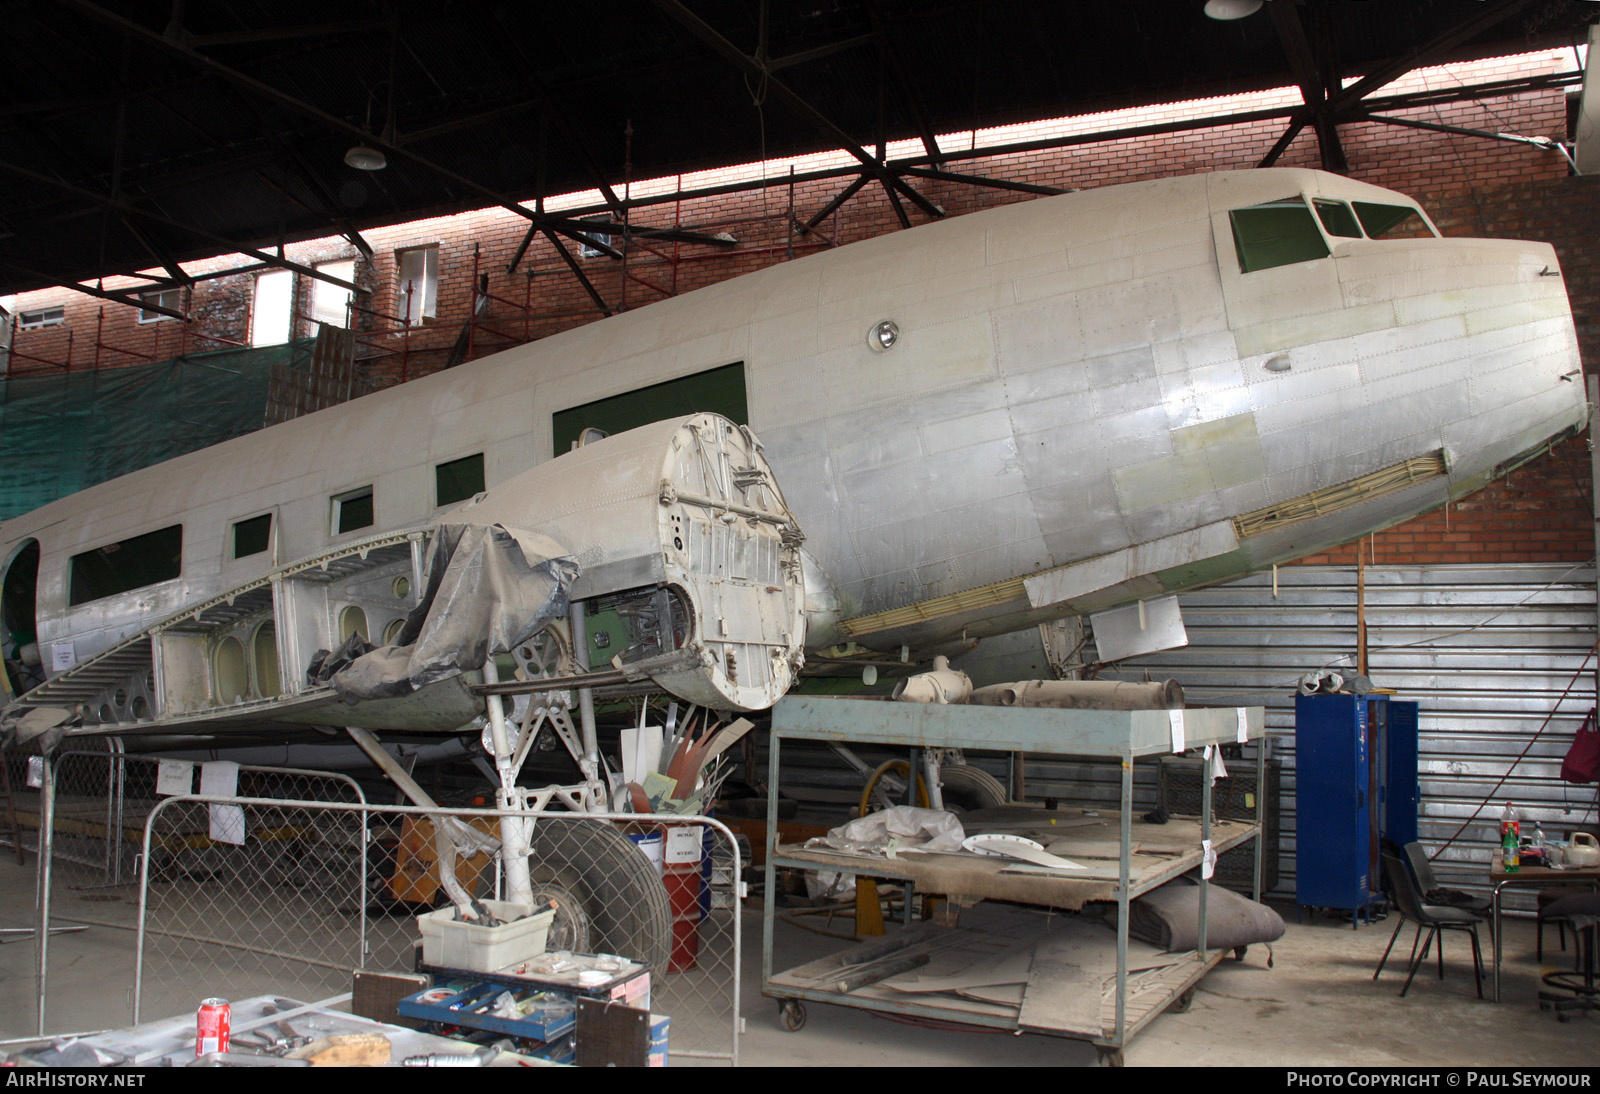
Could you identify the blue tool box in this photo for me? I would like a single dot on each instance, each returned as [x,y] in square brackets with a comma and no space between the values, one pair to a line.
[471,1004]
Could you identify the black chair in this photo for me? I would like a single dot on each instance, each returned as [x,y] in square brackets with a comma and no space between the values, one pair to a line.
[1436,918]
[1434,893]
[1578,911]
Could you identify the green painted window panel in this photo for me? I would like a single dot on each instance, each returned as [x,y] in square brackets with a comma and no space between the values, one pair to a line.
[458,480]
[719,390]
[1278,233]
[126,565]
[251,537]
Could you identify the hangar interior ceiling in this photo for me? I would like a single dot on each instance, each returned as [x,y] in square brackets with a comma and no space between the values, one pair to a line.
[142,134]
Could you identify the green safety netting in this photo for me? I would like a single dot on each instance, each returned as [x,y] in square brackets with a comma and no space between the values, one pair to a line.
[62,433]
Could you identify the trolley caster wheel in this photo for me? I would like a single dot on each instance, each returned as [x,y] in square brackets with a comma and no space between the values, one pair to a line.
[1184,1001]
[1239,952]
[793,1015]
[1563,1017]
[1110,1057]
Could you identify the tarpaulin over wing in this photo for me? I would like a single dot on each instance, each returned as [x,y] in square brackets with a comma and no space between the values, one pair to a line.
[487,588]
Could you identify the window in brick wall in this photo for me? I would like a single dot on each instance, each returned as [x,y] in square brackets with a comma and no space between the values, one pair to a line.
[604,239]
[272,309]
[329,303]
[166,298]
[419,285]
[42,317]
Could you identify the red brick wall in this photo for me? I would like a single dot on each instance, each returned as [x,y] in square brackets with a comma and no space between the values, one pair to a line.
[1472,186]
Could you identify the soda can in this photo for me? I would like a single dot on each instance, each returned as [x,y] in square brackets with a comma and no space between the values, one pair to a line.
[211,1033]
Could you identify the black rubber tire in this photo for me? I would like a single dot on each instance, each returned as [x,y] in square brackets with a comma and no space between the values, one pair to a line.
[1110,1057]
[793,1014]
[1183,1002]
[966,788]
[622,900]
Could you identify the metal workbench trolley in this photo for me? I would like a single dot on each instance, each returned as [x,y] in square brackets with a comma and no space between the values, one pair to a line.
[1120,736]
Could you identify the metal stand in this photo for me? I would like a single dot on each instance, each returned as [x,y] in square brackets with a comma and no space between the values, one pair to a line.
[1122,736]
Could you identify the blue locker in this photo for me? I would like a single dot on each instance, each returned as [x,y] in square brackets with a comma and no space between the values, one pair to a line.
[1355,784]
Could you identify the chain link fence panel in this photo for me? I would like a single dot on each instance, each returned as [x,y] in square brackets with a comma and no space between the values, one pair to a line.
[92,851]
[313,891]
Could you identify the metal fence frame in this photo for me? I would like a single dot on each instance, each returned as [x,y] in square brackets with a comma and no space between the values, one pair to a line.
[661,979]
[117,761]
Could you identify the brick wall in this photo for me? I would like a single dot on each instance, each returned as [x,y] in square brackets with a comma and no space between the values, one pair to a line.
[1472,186]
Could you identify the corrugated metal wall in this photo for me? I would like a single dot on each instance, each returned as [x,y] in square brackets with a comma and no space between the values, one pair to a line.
[1487,652]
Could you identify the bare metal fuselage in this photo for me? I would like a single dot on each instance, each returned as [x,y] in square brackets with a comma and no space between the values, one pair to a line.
[1088,404]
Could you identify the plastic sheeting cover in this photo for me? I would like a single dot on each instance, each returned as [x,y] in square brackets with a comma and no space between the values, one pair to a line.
[62,433]
[486,589]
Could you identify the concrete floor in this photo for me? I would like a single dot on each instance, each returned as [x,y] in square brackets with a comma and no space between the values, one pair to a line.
[1317,1006]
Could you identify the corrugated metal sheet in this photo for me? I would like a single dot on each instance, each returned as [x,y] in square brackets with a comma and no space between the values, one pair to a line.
[1487,652]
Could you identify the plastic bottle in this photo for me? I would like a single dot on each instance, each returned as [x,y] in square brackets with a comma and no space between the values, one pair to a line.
[1510,851]
[1509,822]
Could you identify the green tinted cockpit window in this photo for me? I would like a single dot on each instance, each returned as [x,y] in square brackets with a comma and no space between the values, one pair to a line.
[1278,233]
[1392,221]
[1337,218]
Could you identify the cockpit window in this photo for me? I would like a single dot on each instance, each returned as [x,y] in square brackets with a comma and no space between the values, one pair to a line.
[1277,233]
[1337,218]
[1392,221]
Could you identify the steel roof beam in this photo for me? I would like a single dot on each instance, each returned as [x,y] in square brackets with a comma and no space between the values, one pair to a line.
[145,214]
[577,271]
[1313,84]
[291,102]
[99,294]
[1392,70]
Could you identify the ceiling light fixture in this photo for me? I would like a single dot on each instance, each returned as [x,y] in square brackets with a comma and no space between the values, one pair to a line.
[1232,9]
[363,158]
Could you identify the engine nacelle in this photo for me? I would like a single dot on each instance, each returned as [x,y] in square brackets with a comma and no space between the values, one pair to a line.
[681,534]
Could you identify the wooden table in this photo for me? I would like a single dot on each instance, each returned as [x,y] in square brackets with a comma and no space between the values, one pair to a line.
[1530,877]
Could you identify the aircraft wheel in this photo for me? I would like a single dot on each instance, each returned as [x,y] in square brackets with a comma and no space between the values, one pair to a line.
[613,898]
[966,788]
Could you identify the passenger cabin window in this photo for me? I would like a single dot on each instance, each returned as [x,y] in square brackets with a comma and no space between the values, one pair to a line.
[251,537]
[719,390]
[126,565]
[1277,233]
[1337,218]
[458,480]
[352,510]
[1392,221]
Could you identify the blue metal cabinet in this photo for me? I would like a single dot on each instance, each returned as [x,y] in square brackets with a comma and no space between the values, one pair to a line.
[1355,784]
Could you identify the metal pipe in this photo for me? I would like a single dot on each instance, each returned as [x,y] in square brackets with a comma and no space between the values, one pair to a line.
[444,846]
[1082,695]
[514,834]
[589,762]
[47,824]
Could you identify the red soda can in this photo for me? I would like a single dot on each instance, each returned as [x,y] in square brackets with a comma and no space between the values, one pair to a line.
[211,1034]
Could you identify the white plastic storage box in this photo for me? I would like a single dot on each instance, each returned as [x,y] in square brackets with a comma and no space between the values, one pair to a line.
[484,949]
